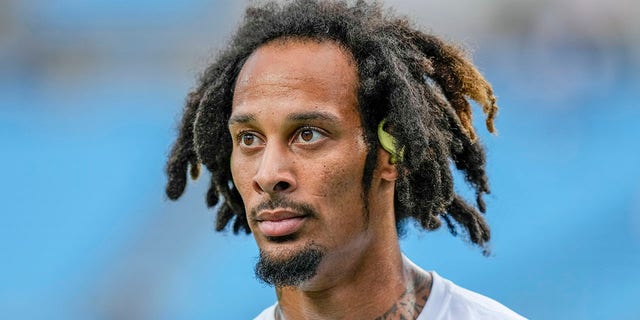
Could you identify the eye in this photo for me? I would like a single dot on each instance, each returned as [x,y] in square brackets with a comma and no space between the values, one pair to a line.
[248,139]
[308,135]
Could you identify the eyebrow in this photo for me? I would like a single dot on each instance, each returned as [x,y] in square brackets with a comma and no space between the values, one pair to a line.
[303,116]
[313,115]
[241,118]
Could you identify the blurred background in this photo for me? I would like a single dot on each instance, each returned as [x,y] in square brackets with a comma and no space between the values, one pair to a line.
[91,93]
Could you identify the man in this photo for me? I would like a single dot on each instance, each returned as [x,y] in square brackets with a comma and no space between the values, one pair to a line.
[325,126]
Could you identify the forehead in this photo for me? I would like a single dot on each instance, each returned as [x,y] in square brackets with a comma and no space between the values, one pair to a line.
[297,70]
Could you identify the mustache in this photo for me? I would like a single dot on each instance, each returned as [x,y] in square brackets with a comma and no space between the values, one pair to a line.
[281,202]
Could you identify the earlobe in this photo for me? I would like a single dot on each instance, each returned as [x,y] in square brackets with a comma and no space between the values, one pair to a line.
[388,170]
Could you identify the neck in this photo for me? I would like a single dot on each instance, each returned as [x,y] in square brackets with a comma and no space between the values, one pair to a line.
[392,288]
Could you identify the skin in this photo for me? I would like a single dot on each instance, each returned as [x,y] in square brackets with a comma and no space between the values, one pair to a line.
[297,135]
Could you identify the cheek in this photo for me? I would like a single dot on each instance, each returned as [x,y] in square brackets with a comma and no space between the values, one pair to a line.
[341,182]
[240,176]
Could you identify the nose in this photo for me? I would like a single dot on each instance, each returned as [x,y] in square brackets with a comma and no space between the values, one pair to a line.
[276,171]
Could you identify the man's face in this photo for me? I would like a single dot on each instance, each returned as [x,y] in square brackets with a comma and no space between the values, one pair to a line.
[299,151]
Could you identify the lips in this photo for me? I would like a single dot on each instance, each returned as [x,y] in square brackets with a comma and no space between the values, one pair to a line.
[279,223]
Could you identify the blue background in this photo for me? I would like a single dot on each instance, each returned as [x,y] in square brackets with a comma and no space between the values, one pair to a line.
[91,93]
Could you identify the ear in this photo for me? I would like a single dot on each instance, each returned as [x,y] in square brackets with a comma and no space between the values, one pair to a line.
[388,143]
[387,170]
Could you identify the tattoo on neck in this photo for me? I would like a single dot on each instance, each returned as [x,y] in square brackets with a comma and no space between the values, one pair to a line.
[411,301]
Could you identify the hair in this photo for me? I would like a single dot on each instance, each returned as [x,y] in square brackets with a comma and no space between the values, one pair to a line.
[420,84]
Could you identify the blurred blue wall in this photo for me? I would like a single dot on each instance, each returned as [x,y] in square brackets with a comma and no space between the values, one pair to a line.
[91,92]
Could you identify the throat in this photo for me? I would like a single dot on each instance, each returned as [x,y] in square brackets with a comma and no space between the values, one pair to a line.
[403,298]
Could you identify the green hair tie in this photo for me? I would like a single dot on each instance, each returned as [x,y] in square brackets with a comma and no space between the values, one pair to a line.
[389,143]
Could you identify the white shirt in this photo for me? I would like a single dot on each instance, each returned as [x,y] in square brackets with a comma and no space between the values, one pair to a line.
[447,301]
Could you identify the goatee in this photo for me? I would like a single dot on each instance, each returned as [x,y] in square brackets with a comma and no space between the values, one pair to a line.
[290,271]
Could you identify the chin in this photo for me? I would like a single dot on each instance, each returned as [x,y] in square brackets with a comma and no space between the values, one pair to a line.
[284,248]
[289,266]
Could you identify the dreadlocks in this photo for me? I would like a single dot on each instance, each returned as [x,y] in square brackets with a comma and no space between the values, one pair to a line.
[421,85]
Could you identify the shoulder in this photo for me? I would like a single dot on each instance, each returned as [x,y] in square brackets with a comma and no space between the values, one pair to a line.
[450,301]
[267,314]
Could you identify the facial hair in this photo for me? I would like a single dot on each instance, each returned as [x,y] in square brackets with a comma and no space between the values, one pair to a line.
[291,271]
